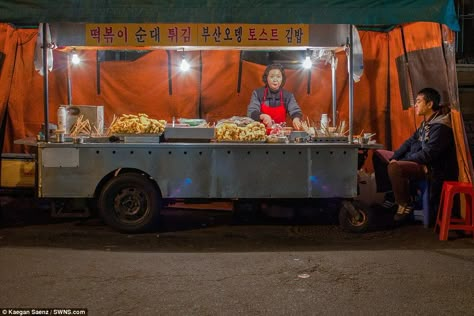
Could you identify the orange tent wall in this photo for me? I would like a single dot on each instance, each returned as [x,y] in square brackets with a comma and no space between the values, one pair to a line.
[141,86]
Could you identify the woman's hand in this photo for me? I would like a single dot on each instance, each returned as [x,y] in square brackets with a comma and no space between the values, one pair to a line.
[266,119]
[297,123]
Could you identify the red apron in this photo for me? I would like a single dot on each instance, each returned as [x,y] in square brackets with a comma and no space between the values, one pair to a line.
[277,113]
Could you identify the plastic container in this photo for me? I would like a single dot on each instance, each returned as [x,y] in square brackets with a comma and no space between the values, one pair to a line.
[60,137]
[324,121]
[62,116]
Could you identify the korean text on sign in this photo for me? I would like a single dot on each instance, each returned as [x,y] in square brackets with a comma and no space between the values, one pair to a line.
[140,35]
[239,35]
[253,35]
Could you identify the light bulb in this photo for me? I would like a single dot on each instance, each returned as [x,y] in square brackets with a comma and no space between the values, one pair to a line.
[307,63]
[184,65]
[75,58]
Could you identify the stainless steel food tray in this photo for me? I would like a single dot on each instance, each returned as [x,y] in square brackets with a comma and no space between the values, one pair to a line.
[196,134]
[139,138]
[242,141]
[329,139]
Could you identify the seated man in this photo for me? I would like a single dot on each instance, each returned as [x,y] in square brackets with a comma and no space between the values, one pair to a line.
[429,153]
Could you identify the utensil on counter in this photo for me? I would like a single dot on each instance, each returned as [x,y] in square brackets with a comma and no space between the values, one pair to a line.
[78,140]
[297,134]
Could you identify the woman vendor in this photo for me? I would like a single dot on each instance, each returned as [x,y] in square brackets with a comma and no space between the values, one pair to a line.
[271,103]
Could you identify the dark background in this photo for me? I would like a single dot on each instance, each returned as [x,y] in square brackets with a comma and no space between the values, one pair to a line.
[465,38]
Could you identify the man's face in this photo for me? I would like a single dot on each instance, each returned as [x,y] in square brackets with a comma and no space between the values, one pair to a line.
[274,79]
[421,106]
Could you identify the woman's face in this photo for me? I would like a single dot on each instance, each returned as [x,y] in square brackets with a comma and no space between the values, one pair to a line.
[274,79]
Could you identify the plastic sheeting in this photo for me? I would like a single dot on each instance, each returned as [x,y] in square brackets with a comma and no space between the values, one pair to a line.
[362,12]
[39,51]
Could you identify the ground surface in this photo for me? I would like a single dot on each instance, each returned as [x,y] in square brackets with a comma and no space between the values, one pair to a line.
[201,262]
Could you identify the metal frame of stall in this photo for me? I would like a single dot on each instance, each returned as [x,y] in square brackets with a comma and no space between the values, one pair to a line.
[171,171]
[332,31]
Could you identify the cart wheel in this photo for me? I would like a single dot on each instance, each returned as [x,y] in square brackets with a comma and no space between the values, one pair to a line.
[130,203]
[359,220]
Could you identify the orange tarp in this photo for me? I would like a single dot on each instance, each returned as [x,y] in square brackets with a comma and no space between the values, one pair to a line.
[142,85]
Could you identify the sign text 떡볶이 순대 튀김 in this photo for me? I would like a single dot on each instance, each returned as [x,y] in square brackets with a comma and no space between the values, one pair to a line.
[215,35]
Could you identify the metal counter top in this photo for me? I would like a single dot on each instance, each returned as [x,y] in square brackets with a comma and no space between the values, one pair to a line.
[209,145]
[31,141]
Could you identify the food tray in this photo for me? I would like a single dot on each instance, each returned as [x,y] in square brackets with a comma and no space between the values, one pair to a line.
[191,122]
[137,135]
[139,138]
[97,139]
[297,134]
[196,134]
[242,141]
[328,139]
[144,139]
[277,139]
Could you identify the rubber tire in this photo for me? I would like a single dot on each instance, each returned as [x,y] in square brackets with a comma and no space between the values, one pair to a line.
[134,188]
[361,225]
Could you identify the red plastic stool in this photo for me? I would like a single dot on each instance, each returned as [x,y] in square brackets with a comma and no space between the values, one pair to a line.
[444,220]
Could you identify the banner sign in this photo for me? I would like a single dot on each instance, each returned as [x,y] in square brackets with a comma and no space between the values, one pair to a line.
[216,35]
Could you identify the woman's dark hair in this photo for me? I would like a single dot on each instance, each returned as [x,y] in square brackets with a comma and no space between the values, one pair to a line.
[267,71]
[432,95]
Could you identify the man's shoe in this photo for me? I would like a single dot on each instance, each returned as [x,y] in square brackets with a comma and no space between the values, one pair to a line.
[389,201]
[388,204]
[403,212]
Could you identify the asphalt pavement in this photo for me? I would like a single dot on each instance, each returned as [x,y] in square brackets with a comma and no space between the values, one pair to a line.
[202,262]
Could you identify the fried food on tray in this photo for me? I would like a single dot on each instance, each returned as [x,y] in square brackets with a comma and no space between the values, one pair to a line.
[81,127]
[137,124]
[228,130]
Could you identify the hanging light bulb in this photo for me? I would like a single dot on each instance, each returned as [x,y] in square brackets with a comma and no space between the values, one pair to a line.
[75,57]
[184,64]
[307,64]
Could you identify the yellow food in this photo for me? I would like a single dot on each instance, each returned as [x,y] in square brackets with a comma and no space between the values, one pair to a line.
[228,131]
[81,127]
[137,124]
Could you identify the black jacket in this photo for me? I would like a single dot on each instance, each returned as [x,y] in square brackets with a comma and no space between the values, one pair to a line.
[432,145]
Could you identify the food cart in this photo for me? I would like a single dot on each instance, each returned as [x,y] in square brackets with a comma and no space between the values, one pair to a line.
[132,179]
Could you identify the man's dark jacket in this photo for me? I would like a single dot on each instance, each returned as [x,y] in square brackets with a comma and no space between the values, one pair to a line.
[432,145]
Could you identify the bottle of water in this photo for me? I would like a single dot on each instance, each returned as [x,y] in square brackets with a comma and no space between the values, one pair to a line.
[324,121]
[62,119]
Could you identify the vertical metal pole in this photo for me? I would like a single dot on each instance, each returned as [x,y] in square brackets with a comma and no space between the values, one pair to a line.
[334,97]
[200,85]
[45,83]
[308,84]
[239,78]
[351,86]
[69,87]
[170,81]
[97,69]
[388,121]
